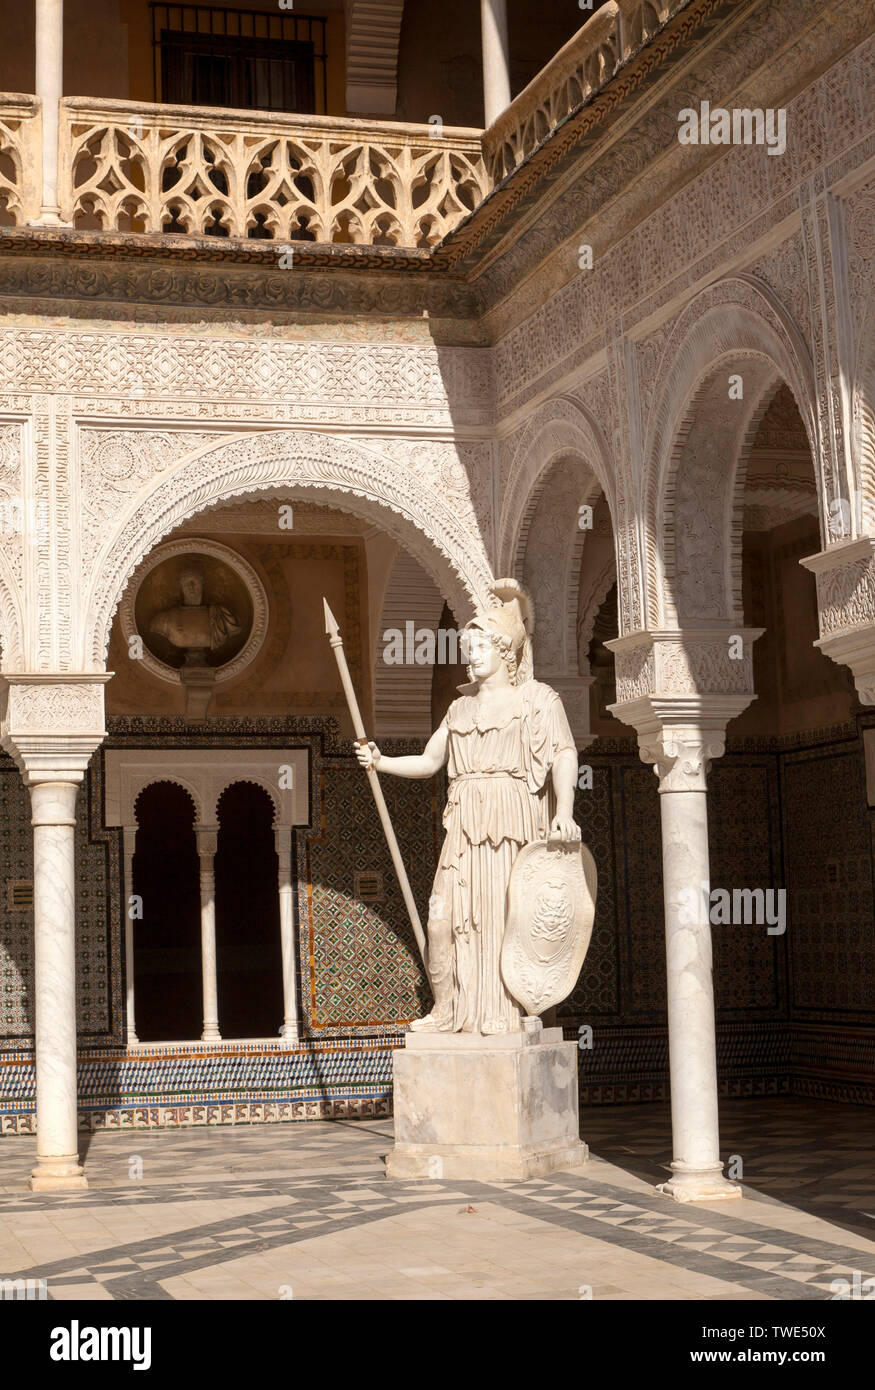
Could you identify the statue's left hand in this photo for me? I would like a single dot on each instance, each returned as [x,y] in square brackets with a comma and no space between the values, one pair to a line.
[564,828]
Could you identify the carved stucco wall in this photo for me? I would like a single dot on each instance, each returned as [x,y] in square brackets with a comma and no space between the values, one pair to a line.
[599,365]
[103,494]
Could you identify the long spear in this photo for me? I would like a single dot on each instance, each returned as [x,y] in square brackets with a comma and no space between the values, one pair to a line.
[334,637]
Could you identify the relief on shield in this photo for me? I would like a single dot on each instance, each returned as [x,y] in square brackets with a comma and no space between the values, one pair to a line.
[550,911]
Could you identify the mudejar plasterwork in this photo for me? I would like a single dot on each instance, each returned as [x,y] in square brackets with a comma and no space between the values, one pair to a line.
[444,375]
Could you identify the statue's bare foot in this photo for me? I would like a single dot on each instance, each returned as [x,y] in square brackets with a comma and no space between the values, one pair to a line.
[492,1026]
[438,1021]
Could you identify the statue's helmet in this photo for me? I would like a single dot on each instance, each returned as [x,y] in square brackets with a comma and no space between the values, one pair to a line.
[510,623]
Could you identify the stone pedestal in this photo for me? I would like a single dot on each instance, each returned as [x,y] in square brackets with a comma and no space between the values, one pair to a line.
[488,1108]
[199,683]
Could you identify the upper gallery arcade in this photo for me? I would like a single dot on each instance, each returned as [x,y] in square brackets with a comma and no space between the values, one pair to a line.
[381,302]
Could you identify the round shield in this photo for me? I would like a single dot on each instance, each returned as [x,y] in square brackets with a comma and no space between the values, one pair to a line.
[550,912]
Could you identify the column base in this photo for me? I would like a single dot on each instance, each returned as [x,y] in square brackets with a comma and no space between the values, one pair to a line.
[211,1035]
[699,1185]
[63,1173]
[289,1034]
[492,1109]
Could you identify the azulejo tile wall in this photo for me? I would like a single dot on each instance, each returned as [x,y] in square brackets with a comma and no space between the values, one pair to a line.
[793,1015]
[98,950]
[361,966]
[158,1086]
[16,925]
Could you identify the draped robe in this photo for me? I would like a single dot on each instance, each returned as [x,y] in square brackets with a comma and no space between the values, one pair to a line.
[500,798]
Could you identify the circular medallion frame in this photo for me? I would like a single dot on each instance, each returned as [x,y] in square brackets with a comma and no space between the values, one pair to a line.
[192,548]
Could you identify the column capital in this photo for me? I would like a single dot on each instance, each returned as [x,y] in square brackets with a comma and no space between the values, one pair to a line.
[681,755]
[207,837]
[681,735]
[679,688]
[845,576]
[51,724]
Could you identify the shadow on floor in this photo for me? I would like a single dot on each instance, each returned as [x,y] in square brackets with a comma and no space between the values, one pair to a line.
[811,1154]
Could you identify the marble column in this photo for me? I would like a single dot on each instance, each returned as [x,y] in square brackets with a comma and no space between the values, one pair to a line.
[49,88]
[53,804]
[289,1030]
[681,758]
[207,842]
[496,69]
[51,724]
[129,840]
[679,689]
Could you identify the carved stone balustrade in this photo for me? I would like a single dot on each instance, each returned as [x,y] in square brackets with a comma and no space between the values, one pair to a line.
[20,169]
[587,61]
[203,171]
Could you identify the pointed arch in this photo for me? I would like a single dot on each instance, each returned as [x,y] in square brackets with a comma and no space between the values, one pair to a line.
[698,440]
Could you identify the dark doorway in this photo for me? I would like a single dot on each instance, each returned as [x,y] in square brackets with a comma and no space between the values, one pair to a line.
[248,949]
[167,942]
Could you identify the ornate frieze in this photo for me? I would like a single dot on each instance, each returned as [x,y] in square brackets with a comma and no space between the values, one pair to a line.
[719,217]
[14,518]
[845,575]
[187,369]
[205,290]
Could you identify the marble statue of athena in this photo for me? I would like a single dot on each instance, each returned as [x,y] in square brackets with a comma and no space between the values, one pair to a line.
[512,767]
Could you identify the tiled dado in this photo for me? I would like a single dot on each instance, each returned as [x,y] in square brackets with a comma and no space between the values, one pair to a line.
[168,1085]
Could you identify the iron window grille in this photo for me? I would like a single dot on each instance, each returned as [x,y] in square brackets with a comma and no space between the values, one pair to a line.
[203,55]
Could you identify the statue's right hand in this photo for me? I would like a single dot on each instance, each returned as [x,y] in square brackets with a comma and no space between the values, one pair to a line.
[368,755]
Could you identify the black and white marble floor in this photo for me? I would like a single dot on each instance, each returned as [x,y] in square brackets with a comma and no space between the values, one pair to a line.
[304,1211]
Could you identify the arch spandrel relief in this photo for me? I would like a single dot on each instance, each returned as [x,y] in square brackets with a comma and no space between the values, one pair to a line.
[291,464]
[730,322]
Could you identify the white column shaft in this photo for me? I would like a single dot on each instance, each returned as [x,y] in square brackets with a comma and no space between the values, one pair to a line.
[289,1029]
[54,886]
[496,69]
[208,944]
[130,840]
[692,1046]
[49,88]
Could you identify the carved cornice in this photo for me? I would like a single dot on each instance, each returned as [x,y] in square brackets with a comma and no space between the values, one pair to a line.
[102,268]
